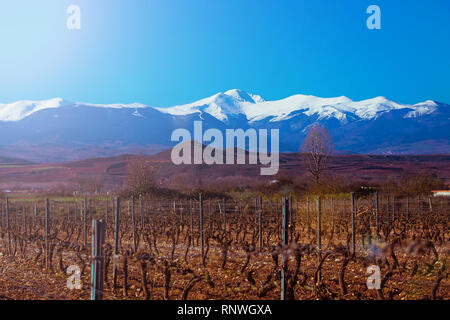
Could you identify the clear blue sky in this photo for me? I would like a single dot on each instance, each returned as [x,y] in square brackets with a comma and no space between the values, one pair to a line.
[166,52]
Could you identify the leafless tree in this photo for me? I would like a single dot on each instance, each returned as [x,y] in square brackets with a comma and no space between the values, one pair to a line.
[317,147]
[140,178]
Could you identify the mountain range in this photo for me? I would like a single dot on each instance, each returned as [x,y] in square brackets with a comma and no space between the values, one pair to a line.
[59,130]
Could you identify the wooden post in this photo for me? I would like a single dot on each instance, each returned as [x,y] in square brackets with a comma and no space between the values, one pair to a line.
[224,216]
[47,212]
[181,214]
[388,220]
[284,242]
[106,213]
[97,277]
[24,220]
[353,224]
[133,224]
[141,211]
[260,224]
[290,210]
[35,213]
[191,215]
[332,215]
[307,216]
[291,225]
[210,213]
[1,219]
[319,234]
[7,225]
[418,206]
[319,225]
[75,213]
[393,208]
[84,222]
[201,224]
[407,207]
[376,211]
[116,241]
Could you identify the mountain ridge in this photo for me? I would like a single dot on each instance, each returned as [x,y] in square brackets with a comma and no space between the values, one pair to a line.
[237,101]
[60,130]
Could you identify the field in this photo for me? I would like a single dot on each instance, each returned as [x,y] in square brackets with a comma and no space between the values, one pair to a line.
[193,248]
[111,173]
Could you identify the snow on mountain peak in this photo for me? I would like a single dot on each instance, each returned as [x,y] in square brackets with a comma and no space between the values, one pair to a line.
[243,96]
[113,105]
[220,106]
[235,102]
[20,109]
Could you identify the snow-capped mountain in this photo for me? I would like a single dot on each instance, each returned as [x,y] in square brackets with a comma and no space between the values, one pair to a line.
[255,108]
[19,110]
[375,125]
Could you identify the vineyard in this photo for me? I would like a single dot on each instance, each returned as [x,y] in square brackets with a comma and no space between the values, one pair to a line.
[255,248]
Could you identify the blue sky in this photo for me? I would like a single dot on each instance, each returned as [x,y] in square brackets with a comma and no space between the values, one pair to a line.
[167,52]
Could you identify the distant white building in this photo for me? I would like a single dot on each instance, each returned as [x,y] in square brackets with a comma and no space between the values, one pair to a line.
[441,193]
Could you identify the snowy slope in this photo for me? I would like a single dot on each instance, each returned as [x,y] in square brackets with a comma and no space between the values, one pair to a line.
[375,125]
[19,110]
[255,108]
[16,111]
[224,106]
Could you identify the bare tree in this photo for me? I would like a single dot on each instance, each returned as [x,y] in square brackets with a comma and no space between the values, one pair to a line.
[317,147]
[140,178]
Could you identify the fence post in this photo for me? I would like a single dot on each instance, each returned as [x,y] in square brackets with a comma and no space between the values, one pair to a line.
[116,241]
[35,213]
[68,212]
[47,212]
[388,220]
[407,208]
[1,219]
[431,204]
[260,222]
[290,210]
[224,216]
[393,208]
[181,213]
[133,224]
[191,215]
[141,211]
[418,206]
[84,221]
[7,225]
[376,212]
[98,236]
[24,220]
[284,241]
[353,224]
[75,212]
[106,213]
[210,213]
[319,225]
[307,216]
[201,224]
[291,225]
